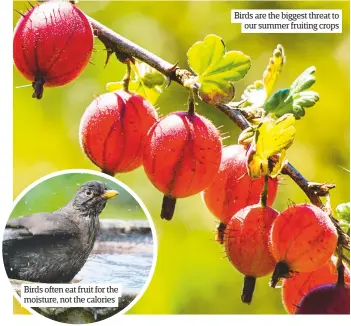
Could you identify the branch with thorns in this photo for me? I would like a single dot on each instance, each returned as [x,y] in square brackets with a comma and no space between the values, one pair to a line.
[126,51]
[118,44]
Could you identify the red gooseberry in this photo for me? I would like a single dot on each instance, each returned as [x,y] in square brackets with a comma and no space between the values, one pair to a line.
[302,239]
[246,244]
[294,288]
[113,130]
[181,156]
[52,44]
[233,189]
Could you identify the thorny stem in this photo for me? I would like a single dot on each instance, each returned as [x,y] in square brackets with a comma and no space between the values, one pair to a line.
[116,42]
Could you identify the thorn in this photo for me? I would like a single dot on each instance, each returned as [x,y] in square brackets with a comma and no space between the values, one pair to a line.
[31,4]
[19,12]
[109,53]
[174,67]
[169,80]
[343,168]
[23,86]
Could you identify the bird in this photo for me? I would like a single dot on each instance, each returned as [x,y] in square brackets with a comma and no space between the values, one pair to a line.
[53,247]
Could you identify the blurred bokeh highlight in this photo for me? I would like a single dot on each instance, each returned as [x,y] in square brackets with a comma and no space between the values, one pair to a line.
[192,276]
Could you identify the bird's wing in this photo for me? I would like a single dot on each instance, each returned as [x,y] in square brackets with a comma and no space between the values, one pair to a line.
[40,224]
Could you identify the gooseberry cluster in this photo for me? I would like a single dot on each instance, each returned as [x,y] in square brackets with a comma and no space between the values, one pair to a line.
[182,155]
[296,244]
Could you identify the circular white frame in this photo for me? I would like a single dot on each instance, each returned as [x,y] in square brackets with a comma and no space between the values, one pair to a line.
[125,187]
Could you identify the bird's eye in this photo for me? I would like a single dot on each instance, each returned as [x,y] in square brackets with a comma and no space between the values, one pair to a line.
[88,193]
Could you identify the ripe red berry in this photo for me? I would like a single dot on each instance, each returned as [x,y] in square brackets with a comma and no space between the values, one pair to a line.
[181,156]
[296,287]
[113,130]
[302,239]
[246,243]
[331,299]
[52,44]
[233,189]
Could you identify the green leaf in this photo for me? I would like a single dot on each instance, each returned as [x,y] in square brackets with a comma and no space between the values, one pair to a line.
[343,212]
[216,69]
[295,99]
[305,99]
[304,81]
[298,111]
[277,102]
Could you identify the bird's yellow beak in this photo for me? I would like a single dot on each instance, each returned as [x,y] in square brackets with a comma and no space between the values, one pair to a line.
[109,194]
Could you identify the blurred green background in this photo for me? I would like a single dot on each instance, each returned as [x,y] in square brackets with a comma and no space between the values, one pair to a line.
[56,192]
[191,275]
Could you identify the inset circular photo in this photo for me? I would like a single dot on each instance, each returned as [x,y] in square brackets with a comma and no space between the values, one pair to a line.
[79,247]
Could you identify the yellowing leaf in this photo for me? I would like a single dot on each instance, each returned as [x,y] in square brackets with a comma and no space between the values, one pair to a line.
[216,69]
[246,136]
[277,166]
[272,137]
[273,69]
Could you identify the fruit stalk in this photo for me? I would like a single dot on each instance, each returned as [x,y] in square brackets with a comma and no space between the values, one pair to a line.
[264,193]
[191,103]
[126,78]
[341,275]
